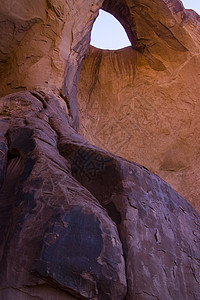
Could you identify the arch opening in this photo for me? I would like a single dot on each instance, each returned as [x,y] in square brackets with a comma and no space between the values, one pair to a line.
[108,33]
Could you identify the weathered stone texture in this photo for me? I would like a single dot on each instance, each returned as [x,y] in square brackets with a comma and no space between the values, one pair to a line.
[42,44]
[84,221]
[57,230]
[142,102]
[77,222]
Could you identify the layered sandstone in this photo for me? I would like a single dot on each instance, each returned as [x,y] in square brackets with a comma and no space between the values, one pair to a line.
[77,222]
[142,102]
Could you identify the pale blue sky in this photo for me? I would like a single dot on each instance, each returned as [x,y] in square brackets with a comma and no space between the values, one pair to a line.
[108,33]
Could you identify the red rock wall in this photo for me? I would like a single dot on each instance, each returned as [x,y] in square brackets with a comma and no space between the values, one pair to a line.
[142,102]
[77,222]
[43,44]
[78,219]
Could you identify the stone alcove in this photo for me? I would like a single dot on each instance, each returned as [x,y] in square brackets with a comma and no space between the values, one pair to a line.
[140,102]
[77,222]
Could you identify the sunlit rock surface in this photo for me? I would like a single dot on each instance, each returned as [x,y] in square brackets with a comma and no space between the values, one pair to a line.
[42,44]
[77,222]
[142,102]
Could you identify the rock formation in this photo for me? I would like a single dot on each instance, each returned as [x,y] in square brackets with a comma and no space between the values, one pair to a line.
[142,102]
[43,44]
[77,222]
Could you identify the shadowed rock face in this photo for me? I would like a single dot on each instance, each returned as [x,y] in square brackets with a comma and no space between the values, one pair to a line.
[76,218]
[142,102]
[77,222]
[53,230]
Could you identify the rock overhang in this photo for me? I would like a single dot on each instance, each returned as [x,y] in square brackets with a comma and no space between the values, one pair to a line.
[58,177]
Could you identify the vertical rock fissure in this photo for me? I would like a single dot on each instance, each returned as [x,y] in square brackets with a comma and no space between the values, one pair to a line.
[7,200]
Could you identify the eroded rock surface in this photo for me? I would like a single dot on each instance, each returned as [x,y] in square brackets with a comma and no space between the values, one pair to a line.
[142,102]
[84,221]
[42,44]
[77,222]
[52,229]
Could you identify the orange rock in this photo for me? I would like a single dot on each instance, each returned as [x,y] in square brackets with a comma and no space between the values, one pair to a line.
[77,222]
[142,102]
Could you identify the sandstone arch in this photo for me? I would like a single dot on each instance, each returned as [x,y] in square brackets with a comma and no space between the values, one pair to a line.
[149,93]
[77,222]
[107,33]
